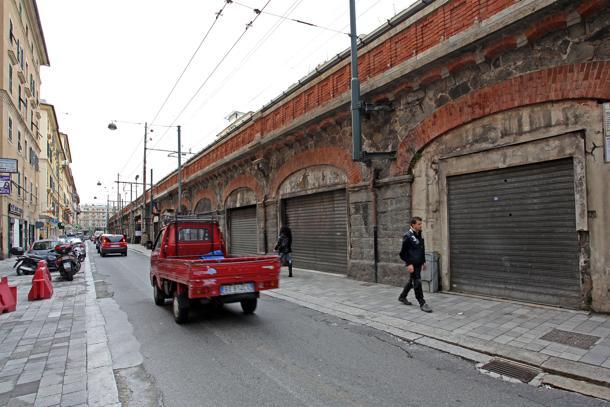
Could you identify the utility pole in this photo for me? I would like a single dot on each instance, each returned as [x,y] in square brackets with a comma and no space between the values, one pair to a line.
[152,225]
[107,209]
[179,174]
[144,217]
[132,228]
[356,104]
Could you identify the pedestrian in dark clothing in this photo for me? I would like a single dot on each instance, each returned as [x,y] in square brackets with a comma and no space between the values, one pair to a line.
[413,253]
[284,248]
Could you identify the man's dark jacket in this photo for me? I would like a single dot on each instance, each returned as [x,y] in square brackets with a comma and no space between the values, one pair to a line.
[413,250]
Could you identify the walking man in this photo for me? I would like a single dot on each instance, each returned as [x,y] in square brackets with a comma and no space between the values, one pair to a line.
[413,253]
[284,248]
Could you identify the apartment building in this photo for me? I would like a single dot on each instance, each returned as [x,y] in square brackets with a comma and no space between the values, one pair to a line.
[23,52]
[93,217]
[49,207]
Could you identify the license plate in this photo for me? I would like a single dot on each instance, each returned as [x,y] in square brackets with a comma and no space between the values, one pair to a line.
[236,289]
[115,244]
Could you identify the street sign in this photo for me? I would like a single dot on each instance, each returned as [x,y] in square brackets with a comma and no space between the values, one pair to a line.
[5,184]
[8,165]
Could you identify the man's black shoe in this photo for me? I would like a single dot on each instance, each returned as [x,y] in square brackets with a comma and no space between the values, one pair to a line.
[404,301]
[426,308]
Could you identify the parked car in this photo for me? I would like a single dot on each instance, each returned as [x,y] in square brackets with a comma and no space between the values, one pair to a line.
[45,249]
[189,263]
[112,244]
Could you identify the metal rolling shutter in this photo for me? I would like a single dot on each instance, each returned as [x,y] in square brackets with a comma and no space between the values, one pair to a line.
[242,229]
[319,231]
[512,233]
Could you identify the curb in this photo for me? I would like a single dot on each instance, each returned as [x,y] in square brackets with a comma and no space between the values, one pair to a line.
[101,384]
[560,373]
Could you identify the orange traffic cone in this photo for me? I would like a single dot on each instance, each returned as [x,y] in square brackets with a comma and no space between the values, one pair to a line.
[8,296]
[42,288]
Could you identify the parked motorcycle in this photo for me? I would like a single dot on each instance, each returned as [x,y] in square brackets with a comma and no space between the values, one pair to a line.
[27,263]
[80,253]
[67,262]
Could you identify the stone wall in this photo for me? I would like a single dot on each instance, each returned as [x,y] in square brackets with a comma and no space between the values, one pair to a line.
[534,69]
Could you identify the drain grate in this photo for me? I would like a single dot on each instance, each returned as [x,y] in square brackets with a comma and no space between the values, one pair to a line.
[574,339]
[515,370]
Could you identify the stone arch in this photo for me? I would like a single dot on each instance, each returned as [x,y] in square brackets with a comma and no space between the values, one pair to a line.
[332,156]
[201,197]
[243,181]
[553,84]
[312,178]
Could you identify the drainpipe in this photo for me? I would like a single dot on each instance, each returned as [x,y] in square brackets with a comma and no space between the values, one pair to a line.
[373,172]
[265,240]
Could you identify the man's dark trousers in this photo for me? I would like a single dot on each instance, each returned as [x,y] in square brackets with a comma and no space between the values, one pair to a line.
[415,283]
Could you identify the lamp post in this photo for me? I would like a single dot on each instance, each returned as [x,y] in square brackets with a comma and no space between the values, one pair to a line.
[113,126]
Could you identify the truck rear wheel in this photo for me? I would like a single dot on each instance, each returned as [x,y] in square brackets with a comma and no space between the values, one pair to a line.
[181,308]
[249,306]
[158,295]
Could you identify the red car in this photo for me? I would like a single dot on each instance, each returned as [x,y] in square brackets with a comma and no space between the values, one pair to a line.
[112,244]
[189,263]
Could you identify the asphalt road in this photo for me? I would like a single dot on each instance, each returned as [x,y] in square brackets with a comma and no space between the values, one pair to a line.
[286,355]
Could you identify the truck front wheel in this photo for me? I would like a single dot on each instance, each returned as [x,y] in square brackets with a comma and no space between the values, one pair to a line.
[181,308]
[249,306]
[158,295]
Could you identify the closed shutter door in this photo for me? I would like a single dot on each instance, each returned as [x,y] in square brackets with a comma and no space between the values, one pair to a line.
[512,233]
[319,231]
[242,229]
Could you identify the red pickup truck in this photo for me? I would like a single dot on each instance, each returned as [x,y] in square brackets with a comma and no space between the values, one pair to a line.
[189,263]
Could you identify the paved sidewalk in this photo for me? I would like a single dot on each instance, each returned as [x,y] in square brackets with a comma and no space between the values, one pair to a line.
[54,352]
[563,343]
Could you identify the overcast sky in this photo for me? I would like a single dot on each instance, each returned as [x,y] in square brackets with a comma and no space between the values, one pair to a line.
[119,59]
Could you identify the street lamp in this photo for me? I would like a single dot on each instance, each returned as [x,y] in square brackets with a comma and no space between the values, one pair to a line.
[113,126]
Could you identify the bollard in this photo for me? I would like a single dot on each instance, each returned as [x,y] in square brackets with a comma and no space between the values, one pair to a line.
[42,288]
[8,296]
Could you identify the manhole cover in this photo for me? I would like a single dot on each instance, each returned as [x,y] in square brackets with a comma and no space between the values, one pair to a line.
[515,370]
[574,339]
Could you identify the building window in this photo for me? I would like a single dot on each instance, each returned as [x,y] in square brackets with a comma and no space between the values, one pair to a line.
[18,140]
[11,36]
[26,149]
[18,184]
[25,187]
[10,78]
[10,129]
[20,8]
[31,192]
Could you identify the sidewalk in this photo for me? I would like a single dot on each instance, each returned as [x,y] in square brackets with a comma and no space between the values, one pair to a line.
[54,352]
[564,344]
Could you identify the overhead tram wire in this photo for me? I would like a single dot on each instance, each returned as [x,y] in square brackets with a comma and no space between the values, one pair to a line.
[242,63]
[218,15]
[248,26]
[290,19]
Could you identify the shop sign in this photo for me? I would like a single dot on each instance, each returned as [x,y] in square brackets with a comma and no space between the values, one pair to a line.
[8,165]
[5,184]
[15,210]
